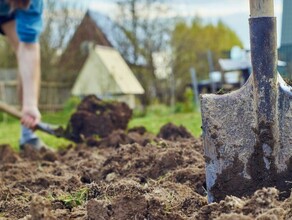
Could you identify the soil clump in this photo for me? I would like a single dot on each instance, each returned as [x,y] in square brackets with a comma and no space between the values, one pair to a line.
[95,117]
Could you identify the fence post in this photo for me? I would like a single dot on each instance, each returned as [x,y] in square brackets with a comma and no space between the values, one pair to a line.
[195,87]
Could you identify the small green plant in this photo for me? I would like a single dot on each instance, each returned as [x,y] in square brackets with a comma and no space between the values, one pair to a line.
[75,199]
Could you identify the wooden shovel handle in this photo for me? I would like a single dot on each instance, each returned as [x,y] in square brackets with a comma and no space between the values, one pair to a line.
[10,110]
[261,8]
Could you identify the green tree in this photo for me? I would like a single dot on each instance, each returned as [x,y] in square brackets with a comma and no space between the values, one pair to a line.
[190,45]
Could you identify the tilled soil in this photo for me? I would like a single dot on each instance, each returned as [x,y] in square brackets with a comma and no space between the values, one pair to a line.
[127,175]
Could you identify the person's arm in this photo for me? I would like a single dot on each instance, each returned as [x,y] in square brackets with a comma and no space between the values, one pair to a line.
[28,55]
[29,26]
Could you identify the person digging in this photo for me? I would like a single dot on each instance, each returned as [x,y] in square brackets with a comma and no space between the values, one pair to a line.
[21,22]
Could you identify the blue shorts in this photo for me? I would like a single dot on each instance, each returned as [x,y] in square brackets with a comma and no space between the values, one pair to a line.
[29,21]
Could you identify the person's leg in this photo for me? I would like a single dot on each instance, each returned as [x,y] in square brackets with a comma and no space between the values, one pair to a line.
[9,29]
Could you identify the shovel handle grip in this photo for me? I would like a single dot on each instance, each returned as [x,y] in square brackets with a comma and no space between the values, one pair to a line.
[261,8]
[10,110]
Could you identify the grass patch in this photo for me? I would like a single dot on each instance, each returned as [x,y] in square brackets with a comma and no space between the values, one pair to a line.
[153,123]
[74,199]
[156,117]
[10,131]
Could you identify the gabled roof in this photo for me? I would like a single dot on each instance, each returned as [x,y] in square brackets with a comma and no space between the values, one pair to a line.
[88,31]
[95,28]
[113,32]
[106,63]
[119,70]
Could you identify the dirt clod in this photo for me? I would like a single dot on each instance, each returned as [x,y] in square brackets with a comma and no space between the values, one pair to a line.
[95,117]
[172,132]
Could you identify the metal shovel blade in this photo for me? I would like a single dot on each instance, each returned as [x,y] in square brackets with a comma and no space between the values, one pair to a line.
[247,133]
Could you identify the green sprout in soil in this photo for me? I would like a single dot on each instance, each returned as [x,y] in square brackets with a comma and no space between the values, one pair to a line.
[73,200]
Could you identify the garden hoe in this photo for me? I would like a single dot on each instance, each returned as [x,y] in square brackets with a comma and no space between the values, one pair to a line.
[247,133]
[54,130]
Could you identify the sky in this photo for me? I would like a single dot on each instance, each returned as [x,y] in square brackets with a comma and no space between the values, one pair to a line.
[234,13]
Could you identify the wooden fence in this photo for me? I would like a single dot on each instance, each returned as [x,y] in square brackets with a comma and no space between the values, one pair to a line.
[52,97]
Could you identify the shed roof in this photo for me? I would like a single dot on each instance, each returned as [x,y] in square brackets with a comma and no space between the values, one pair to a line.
[119,70]
[115,67]
[108,27]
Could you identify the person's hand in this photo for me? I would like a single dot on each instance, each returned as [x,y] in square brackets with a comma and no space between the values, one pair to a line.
[30,117]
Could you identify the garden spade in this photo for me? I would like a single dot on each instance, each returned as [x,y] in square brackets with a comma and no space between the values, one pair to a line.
[54,130]
[247,133]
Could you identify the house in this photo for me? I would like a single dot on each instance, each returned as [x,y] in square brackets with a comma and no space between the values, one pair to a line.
[93,63]
[107,75]
[94,29]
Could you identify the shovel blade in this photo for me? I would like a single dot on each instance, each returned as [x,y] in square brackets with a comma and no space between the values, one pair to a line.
[242,153]
[54,130]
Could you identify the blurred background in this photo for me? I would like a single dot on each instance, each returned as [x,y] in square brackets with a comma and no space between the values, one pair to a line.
[155,55]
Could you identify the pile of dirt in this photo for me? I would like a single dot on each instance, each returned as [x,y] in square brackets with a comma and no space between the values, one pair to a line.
[117,178]
[173,133]
[98,118]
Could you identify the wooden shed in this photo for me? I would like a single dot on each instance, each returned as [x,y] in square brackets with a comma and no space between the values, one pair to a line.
[94,29]
[107,75]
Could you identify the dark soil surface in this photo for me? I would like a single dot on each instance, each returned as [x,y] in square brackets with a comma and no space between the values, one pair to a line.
[128,175]
[121,175]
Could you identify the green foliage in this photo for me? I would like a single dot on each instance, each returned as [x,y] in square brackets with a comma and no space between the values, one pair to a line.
[191,43]
[139,112]
[158,110]
[188,104]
